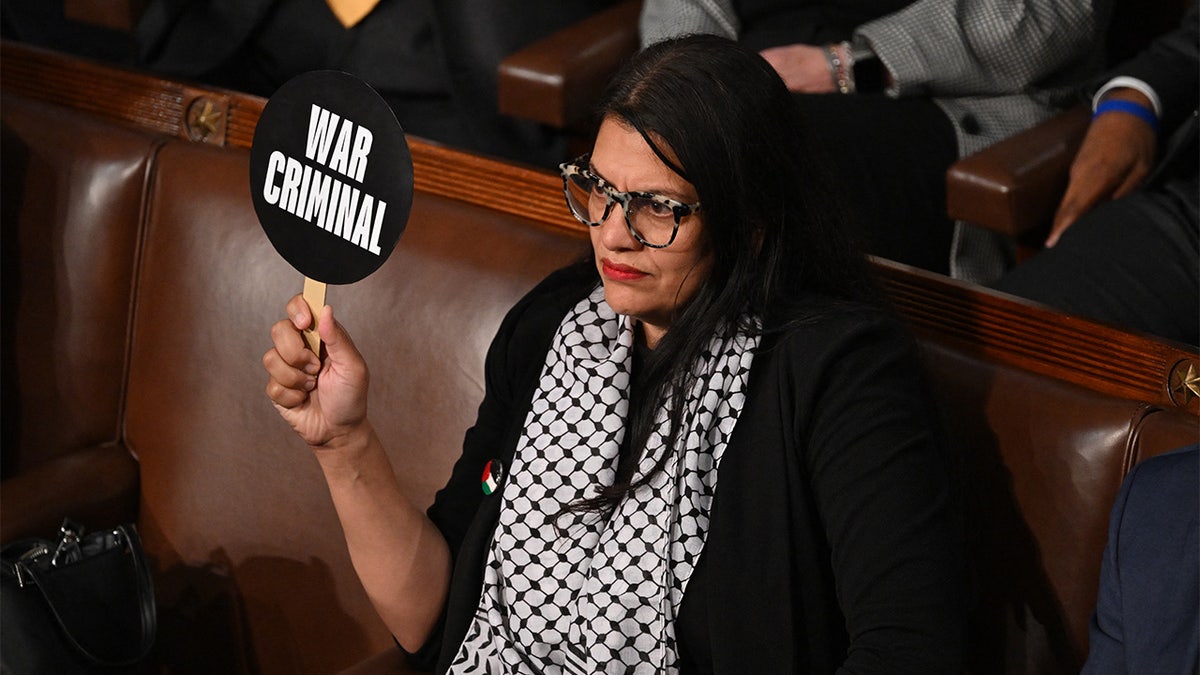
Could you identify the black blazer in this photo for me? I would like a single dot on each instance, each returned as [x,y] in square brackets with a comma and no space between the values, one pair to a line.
[1171,66]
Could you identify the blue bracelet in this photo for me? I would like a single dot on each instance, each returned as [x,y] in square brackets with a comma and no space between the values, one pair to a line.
[1136,109]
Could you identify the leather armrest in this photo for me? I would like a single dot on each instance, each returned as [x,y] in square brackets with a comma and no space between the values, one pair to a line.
[97,487]
[1014,186]
[118,15]
[557,79]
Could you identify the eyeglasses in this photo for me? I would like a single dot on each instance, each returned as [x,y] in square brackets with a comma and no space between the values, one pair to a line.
[652,219]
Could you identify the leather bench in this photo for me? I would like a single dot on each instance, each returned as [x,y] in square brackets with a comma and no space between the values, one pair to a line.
[1048,412]
[74,191]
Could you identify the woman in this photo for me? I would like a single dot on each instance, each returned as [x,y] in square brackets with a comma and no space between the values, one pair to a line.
[723,329]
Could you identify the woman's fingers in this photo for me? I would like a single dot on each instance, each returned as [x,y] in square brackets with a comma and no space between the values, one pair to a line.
[298,312]
[287,375]
[286,397]
[339,347]
[323,399]
[292,368]
[288,340]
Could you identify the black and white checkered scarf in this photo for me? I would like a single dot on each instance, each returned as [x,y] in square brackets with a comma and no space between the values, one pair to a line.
[594,595]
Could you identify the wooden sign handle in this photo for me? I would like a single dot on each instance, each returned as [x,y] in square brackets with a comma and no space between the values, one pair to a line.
[314,297]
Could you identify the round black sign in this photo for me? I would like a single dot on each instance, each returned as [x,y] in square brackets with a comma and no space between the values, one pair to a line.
[331,176]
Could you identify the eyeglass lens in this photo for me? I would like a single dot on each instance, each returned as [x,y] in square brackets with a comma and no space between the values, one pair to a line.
[652,222]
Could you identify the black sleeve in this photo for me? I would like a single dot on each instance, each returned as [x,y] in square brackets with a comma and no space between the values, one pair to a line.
[1171,65]
[882,483]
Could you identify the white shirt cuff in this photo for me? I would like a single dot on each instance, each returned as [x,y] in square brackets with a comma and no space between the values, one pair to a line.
[1129,83]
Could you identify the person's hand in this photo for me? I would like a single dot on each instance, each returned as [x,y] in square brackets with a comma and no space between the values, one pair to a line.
[1116,156]
[325,403]
[803,68]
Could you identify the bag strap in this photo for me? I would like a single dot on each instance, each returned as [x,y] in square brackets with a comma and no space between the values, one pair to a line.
[146,604]
[145,588]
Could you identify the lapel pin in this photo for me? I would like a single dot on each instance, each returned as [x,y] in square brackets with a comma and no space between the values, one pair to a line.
[493,473]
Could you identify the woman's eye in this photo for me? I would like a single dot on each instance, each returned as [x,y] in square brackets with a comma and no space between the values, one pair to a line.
[658,209]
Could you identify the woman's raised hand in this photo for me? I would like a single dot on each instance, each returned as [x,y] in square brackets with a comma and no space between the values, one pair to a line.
[324,402]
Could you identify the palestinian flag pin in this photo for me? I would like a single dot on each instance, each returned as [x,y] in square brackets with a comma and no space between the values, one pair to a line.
[493,472]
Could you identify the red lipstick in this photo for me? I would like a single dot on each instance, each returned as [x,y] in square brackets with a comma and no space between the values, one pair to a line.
[619,272]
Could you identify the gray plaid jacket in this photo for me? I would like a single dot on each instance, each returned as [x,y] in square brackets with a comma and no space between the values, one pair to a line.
[994,66]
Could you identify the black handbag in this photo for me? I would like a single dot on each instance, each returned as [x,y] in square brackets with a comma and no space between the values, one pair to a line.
[81,604]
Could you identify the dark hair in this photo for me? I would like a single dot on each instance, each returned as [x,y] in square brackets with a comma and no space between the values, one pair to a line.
[775,225]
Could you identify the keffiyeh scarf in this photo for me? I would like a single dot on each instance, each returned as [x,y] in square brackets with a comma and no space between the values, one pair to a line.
[579,593]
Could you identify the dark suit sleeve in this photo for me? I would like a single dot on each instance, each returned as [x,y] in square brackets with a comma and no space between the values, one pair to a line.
[1171,65]
[189,39]
[1146,618]
[1106,650]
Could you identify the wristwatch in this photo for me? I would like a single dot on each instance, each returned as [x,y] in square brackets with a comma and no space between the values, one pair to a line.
[867,69]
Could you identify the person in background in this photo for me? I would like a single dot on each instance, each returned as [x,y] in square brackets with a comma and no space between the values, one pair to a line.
[1147,616]
[707,447]
[1125,242]
[897,90]
[435,63]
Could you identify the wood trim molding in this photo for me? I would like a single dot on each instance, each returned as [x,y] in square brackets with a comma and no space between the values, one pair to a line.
[1017,332]
[999,328]
[161,105]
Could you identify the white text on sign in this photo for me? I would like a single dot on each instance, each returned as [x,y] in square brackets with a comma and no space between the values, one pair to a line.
[323,200]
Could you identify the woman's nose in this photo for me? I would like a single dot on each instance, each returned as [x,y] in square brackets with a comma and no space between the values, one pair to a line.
[614,230]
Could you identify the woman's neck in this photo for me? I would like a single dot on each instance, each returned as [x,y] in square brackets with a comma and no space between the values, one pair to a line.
[648,335]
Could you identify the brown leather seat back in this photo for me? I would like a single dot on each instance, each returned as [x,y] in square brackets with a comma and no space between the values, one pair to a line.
[1041,461]
[72,206]
[233,503]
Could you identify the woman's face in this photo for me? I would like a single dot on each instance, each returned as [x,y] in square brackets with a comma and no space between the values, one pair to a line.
[646,283]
